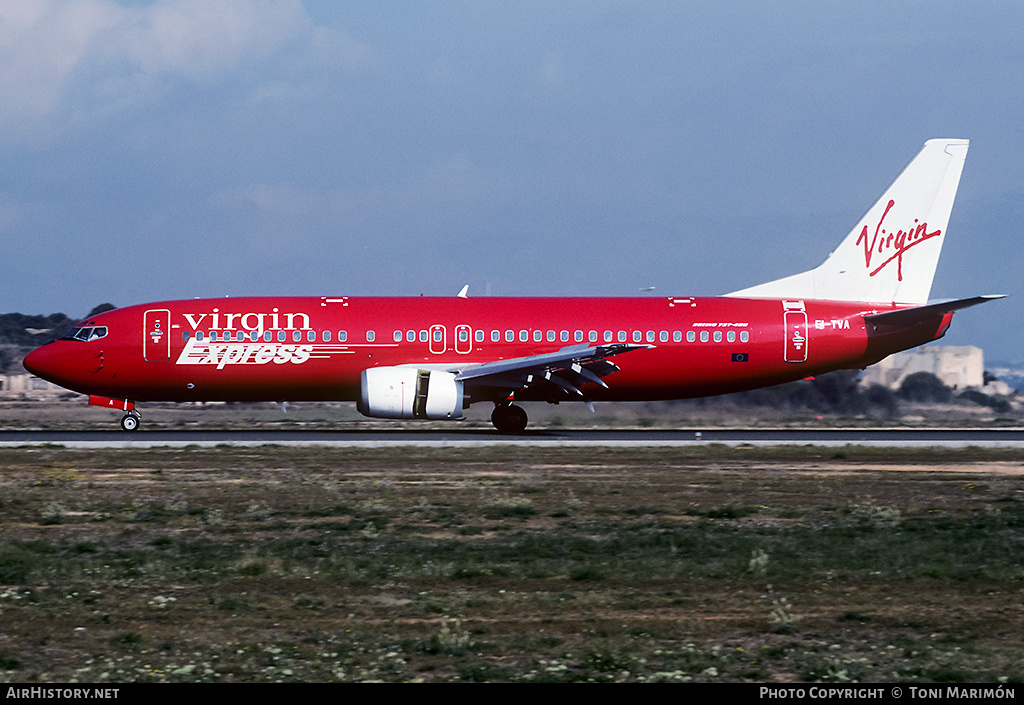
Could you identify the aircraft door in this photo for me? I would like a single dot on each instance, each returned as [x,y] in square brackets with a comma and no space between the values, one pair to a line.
[463,339]
[438,339]
[796,331]
[156,335]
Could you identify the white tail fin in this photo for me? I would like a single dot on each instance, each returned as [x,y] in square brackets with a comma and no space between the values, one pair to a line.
[890,257]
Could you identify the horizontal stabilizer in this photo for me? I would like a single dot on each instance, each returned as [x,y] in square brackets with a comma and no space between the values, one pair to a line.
[909,316]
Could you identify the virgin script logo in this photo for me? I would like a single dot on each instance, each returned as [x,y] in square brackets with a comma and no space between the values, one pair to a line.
[892,245]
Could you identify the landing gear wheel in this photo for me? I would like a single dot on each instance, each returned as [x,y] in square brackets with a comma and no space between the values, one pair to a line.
[130,422]
[509,418]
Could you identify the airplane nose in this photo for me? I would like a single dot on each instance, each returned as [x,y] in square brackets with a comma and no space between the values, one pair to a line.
[43,362]
[35,362]
[67,364]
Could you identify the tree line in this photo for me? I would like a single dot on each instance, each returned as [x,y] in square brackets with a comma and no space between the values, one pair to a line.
[841,393]
[20,332]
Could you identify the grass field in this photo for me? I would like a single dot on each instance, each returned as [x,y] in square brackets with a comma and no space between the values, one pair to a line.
[511,564]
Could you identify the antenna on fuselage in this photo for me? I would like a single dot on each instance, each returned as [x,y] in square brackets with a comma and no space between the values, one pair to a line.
[464,294]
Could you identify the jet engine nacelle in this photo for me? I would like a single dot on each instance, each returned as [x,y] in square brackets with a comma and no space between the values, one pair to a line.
[410,393]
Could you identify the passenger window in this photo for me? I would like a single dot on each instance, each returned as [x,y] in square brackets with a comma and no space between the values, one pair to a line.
[327,336]
[410,336]
[424,336]
[704,336]
[268,336]
[718,336]
[690,336]
[677,337]
[370,335]
[398,336]
[551,336]
[637,336]
[524,336]
[538,336]
[607,336]
[185,335]
[592,336]
[297,336]
[479,335]
[622,336]
[744,336]
[730,337]
[663,336]
[495,336]
[342,336]
[510,336]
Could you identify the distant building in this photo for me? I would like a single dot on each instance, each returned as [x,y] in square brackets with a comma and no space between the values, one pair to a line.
[958,366]
[26,384]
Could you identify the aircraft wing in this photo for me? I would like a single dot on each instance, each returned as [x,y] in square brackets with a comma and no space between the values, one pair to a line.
[568,368]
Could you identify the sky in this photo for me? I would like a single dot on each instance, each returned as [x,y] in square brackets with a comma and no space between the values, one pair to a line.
[184,148]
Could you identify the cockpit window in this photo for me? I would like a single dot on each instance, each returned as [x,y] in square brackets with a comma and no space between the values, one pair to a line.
[86,333]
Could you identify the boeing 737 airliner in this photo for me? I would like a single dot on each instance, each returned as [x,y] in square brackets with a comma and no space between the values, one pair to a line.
[430,358]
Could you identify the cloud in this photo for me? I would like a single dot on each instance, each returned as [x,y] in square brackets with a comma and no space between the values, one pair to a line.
[42,42]
[65,58]
[200,39]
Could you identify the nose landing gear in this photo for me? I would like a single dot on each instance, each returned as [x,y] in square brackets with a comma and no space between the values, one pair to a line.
[130,421]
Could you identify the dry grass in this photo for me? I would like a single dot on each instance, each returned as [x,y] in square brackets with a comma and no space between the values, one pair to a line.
[510,564]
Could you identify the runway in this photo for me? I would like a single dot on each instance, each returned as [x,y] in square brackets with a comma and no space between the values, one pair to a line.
[947,438]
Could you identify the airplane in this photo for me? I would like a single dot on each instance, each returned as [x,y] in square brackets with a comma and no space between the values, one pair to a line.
[432,357]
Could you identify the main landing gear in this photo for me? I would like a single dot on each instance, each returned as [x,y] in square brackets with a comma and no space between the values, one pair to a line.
[508,418]
[130,421]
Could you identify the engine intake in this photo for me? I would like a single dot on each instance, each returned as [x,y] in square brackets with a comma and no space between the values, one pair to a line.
[410,393]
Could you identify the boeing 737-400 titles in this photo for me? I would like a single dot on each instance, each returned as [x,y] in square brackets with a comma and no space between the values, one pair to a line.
[432,357]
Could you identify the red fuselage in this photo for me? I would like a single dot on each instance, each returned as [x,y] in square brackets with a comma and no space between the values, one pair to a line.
[314,349]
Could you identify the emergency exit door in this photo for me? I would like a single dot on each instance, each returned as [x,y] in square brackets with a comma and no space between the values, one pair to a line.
[796,331]
[156,335]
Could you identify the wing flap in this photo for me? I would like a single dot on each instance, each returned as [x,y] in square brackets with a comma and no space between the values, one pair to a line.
[568,368]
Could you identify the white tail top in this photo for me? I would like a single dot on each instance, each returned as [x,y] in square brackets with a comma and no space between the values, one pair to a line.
[891,255]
